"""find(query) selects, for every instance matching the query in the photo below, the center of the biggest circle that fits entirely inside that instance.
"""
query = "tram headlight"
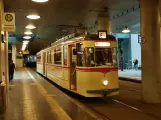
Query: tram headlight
(105, 82)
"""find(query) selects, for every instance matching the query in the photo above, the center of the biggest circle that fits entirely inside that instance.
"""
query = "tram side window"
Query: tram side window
(103, 56)
(52, 56)
(38, 58)
(57, 56)
(114, 56)
(48, 57)
(65, 55)
(79, 54)
(86, 58)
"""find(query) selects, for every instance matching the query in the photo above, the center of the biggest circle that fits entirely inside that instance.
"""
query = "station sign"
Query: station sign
(9, 21)
(102, 34)
(102, 44)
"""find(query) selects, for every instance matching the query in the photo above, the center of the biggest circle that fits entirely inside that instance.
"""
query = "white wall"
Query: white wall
(135, 48)
(14, 51)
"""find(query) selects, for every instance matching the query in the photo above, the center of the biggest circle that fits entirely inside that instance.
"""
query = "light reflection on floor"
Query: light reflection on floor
(130, 73)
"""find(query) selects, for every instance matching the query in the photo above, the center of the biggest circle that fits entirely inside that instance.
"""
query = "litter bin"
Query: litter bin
(3, 102)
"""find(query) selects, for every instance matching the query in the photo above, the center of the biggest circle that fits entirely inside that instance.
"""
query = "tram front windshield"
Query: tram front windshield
(91, 57)
(103, 56)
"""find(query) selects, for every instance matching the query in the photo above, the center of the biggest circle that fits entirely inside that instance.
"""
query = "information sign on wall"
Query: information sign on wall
(9, 21)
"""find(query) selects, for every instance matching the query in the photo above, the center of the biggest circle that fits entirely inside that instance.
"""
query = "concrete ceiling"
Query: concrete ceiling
(59, 17)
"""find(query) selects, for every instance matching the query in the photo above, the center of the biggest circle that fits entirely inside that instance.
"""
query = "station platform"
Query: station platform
(130, 75)
(32, 97)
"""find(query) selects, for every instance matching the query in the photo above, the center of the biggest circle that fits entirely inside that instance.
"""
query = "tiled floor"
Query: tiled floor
(32, 98)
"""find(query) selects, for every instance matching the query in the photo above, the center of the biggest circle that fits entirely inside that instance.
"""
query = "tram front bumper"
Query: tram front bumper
(103, 91)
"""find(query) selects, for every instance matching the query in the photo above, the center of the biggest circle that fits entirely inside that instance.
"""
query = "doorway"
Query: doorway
(44, 61)
(72, 55)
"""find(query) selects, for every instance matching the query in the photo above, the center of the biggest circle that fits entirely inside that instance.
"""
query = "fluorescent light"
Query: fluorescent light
(28, 33)
(33, 16)
(30, 27)
(27, 37)
(126, 30)
(24, 47)
(25, 42)
(40, 0)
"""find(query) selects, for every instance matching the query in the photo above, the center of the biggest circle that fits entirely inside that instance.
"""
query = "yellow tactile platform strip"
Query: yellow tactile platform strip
(55, 107)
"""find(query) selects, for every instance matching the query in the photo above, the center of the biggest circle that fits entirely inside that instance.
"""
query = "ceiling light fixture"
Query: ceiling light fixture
(30, 27)
(28, 33)
(25, 42)
(27, 37)
(33, 17)
(40, 0)
(126, 30)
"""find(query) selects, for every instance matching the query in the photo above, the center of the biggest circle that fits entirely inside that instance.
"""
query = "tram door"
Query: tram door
(44, 61)
(72, 55)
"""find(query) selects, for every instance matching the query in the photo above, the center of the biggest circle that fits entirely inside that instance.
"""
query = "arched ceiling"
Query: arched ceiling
(59, 17)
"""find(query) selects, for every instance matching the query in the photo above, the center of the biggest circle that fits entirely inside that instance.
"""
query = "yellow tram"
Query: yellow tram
(83, 64)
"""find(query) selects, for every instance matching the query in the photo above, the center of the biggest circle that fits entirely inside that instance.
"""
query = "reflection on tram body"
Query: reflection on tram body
(86, 66)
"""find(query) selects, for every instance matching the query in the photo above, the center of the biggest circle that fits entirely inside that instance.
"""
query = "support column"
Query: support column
(6, 60)
(104, 23)
(151, 51)
(14, 52)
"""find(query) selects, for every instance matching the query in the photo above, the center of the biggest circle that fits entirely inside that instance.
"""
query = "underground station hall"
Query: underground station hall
(80, 60)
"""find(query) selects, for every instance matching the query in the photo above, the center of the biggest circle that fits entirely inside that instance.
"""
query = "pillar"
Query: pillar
(151, 51)
(14, 52)
(104, 23)
(6, 60)
(3, 93)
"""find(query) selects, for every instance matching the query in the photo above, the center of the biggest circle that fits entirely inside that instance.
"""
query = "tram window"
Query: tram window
(114, 56)
(79, 54)
(47, 57)
(57, 58)
(65, 55)
(86, 58)
(74, 52)
(38, 58)
(52, 56)
(103, 56)
(79, 47)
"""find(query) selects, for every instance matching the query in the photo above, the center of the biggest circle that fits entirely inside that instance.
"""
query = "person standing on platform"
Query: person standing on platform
(135, 64)
(11, 69)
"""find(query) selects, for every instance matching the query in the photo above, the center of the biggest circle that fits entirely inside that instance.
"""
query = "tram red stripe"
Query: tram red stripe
(57, 66)
(103, 70)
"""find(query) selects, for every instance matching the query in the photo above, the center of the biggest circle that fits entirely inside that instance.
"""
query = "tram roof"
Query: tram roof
(77, 36)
